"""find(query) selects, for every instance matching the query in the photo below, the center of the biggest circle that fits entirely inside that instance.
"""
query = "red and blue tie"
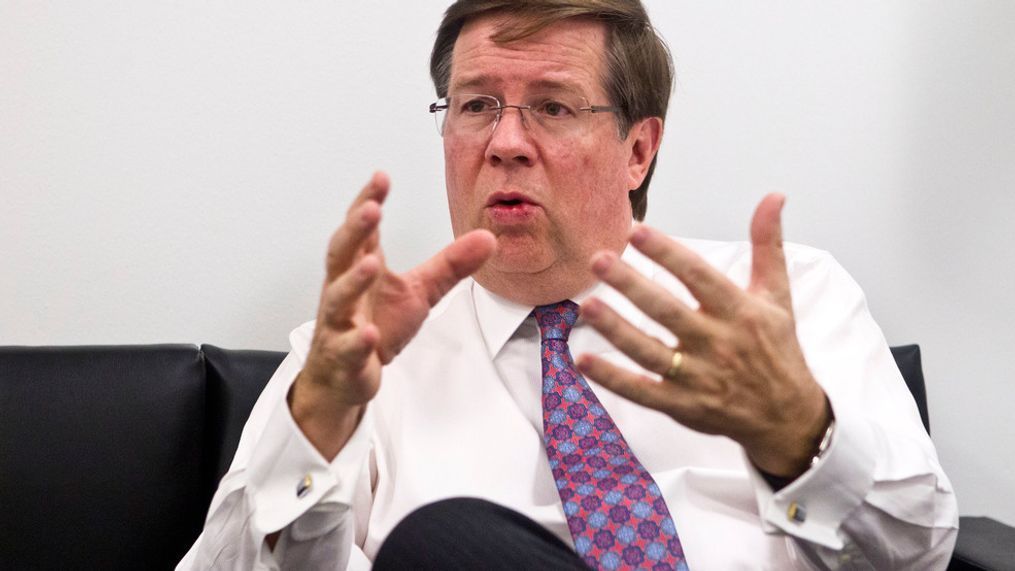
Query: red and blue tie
(615, 511)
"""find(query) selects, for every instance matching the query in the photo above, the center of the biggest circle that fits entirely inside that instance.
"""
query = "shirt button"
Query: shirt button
(303, 488)
(796, 512)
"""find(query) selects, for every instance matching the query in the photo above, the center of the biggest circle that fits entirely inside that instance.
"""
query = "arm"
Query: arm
(367, 314)
(878, 493)
(259, 493)
(302, 462)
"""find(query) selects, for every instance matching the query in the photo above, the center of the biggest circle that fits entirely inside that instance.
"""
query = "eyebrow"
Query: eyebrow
(485, 80)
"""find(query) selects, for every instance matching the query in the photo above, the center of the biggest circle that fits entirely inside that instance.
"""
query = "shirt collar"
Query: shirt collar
(499, 317)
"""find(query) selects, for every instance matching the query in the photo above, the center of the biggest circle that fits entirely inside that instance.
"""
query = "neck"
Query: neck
(536, 289)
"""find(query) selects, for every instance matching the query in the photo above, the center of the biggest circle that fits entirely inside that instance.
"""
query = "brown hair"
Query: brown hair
(639, 70)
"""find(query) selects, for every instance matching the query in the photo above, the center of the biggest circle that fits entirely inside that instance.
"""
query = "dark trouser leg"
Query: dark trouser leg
(469, 533)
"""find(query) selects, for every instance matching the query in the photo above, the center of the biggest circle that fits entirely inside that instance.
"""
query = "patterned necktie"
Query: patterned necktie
(615, 511)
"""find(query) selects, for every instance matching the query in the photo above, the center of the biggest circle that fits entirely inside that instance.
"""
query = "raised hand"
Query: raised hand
(742, 372)
(367, 314)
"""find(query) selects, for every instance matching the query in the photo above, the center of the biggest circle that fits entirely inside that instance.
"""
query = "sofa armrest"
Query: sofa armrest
(983, 543)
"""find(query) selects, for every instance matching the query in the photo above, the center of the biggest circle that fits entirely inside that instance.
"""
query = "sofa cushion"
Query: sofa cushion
(102, 456)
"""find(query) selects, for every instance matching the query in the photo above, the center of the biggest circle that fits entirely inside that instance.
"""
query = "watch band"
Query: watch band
(826, 441)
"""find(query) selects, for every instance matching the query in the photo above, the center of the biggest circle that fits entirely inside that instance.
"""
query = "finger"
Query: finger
(650, 297)
(714, 291)
(376, 190)
(336, 352)
(351, 349)
(768, 258)
(359, 231)
(635, 387)
(643, 349)
(459, 259)
(340, 298)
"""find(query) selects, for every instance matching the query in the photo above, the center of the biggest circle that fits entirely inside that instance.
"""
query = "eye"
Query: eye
(554, 109)
(477, 105)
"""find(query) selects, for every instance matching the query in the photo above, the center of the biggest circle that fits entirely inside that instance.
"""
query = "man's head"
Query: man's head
(638, 76)
(547, 144)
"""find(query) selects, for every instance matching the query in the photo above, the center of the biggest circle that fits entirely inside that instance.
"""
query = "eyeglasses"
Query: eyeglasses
(559, 115)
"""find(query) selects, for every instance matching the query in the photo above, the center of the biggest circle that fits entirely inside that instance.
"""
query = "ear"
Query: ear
(643, 140)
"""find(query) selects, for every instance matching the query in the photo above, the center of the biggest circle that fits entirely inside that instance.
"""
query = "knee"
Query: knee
(449, 517)
(470, 533)
(436, 535)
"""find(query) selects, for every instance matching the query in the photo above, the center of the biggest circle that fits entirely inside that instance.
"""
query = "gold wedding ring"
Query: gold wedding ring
(675, 362)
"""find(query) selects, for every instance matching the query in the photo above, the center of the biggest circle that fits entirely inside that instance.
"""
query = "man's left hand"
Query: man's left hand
(743, 373)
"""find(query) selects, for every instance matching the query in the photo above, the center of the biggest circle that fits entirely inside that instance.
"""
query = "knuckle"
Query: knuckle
(695, 273)
(724, 353)
(662, 363)
(333, 258)
(751, 317)
(605, 317)
(334, 296)
(346, 351)
(671, 314)
(625, 276)
(339, 238)
(640, 389)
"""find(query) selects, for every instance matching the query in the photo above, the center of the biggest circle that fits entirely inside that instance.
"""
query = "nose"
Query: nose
(511, 141)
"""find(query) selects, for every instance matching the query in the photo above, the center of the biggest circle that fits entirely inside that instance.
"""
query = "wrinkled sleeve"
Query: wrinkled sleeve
(878, 497)
(278, 482)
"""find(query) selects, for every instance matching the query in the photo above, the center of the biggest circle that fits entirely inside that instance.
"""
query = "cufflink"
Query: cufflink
(796, 512)
(303, 488)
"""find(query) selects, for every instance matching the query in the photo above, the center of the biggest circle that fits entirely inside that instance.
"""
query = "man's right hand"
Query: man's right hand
(367, 314)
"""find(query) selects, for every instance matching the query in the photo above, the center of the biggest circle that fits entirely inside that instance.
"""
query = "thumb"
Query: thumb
(456, 261)
(768, 260)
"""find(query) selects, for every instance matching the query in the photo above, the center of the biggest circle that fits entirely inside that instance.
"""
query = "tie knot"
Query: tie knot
(556, 319)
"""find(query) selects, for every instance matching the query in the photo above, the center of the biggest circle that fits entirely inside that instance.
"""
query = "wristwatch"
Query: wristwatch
(826, 441)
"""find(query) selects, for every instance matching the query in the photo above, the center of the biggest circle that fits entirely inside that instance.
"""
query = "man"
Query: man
(717, 406)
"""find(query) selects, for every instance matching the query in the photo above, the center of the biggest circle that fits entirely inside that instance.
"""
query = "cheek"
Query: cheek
(452, 158)
(604, 181)
(458, 207)
(603, 200)
(459, 181)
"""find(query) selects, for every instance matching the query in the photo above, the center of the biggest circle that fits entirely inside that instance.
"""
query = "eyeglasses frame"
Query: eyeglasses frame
(437, 106)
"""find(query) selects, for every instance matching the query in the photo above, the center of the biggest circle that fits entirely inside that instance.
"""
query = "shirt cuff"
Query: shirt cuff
(814, 505)
(287, 476)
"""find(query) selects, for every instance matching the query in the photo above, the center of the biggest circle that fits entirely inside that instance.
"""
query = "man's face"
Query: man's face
(551, 201)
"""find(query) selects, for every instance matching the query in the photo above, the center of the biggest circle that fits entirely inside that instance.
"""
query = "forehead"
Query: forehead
(569, 54)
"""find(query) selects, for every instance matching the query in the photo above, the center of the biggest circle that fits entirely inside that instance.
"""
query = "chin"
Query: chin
(521, 253)
(518, 263)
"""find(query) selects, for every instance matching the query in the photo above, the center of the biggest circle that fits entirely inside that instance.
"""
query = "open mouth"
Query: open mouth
(509, 200)
(511, 208)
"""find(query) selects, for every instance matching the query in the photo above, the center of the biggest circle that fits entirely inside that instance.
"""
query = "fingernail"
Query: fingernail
(582, 362)
(591, 309)
(367, 213)
(601, 262)
(367, 265)
(639, 234)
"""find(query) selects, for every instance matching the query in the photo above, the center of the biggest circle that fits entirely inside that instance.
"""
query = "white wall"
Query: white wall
(170, 172)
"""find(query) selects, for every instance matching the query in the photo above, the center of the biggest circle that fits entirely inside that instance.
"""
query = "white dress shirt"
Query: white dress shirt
(459, 414)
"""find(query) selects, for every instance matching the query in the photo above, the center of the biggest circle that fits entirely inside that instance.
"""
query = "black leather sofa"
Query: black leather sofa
(109, 455)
